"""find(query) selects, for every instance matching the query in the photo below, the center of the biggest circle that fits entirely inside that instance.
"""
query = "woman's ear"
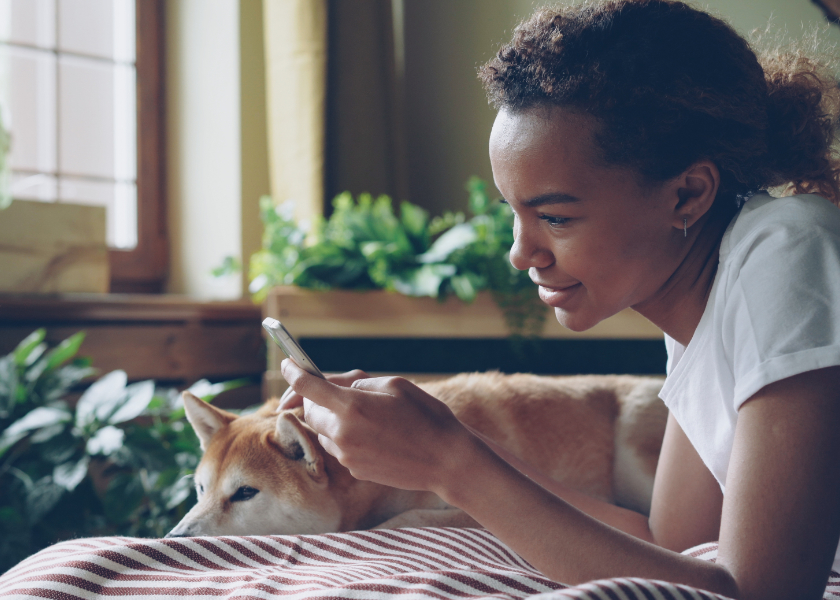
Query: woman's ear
(696, 191)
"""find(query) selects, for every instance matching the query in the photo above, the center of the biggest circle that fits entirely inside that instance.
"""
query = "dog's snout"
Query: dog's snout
(177, 534)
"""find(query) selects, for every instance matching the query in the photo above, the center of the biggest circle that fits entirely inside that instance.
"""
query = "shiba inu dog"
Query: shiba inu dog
(265, 473)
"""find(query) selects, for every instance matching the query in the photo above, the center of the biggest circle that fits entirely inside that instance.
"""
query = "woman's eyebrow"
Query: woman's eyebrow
(545, 199)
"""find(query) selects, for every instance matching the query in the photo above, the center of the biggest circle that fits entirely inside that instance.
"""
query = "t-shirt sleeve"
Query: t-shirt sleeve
(782, 315)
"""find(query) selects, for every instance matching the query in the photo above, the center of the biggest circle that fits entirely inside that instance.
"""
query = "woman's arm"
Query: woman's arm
(628, 521)
(687, 500)
(781, 516)
(389, 431)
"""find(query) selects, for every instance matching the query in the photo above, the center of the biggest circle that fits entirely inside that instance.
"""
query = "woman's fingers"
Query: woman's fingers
(291, 399)
(319, 418)
(321, 391)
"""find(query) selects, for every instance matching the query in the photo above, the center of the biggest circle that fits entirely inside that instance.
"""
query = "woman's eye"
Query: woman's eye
(244, 493)
(555, 221)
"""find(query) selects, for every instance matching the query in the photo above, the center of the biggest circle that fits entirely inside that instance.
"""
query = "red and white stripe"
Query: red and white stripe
(429, 563)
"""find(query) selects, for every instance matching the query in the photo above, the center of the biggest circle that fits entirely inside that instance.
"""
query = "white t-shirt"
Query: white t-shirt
(773, 312)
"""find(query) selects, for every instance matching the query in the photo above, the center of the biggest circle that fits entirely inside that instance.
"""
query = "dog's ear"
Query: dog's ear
(205, 418)
(295, 444)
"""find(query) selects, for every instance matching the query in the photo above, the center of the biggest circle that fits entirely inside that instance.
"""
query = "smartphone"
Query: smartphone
(290, 347)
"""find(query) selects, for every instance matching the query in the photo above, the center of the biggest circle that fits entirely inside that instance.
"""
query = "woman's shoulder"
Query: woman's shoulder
(766, 222)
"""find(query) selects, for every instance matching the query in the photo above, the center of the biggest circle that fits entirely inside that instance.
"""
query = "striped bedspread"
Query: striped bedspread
(429, 563)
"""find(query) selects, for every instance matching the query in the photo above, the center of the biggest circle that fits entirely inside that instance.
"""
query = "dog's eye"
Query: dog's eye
(244, 493)
(200, 489)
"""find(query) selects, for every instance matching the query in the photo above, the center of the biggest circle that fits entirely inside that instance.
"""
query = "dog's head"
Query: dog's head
(261, 473)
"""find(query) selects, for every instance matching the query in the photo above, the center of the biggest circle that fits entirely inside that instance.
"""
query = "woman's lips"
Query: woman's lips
(556, 297)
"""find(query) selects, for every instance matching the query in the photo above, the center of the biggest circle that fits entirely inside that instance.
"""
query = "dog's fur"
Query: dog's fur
(265, 473)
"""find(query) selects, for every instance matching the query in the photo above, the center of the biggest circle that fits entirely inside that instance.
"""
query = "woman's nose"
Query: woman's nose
(527, 251)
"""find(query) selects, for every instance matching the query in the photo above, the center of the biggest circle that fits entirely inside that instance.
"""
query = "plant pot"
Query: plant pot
(382, 315)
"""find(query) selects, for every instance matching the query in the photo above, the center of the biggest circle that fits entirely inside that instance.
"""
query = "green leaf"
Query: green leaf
(231, 265)
(37, 352)
(463, 288)
(8, 385)
(124, 496)
(414, 219)
(137, 398)
(479, 199)
(99, 399)
(37, 370)
(106, 441)
(62, 448)
(65, 350)
(178, 492)
(70, 474)
(456, 238)
(42, 497)
(45, 434)
(63, 378)
(424, 281)
(7, 440)
(29, 343)
(207, 391)
(43, 416)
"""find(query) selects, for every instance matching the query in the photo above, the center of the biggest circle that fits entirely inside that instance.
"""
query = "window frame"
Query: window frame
(144, 269)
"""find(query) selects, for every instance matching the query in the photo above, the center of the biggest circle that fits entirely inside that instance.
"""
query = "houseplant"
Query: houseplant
(365, 245)
(116, 461)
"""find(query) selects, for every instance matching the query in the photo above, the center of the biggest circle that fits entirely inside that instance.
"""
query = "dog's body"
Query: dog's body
(265, 473)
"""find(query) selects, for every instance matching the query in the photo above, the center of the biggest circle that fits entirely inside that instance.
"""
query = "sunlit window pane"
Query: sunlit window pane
(86, 117)
(123, 233)
(29, 107)
(120, 200)
(101, 28)
(125, 122)
(38, 186)
(28, 22)
(68, 95)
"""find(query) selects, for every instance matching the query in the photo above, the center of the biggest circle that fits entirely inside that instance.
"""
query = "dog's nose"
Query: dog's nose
(174, 534)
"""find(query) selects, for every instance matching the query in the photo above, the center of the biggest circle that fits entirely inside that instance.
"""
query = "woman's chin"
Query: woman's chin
(575, 321)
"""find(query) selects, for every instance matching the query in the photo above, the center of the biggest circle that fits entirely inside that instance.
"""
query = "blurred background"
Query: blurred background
(142, 134)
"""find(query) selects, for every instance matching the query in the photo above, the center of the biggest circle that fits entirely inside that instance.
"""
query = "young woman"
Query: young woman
(634, 142)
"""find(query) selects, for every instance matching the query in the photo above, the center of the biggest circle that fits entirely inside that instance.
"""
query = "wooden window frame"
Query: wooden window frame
(831, 8)
(144, 269)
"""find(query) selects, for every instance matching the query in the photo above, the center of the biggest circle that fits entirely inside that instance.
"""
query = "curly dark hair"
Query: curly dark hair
(671, 85)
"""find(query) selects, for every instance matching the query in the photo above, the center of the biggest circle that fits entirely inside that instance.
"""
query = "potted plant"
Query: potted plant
(366, 246)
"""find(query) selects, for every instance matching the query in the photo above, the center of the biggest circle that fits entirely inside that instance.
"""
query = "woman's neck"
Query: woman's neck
(679, 304)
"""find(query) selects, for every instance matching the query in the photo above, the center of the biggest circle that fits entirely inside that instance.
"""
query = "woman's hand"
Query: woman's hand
(383, 429)
(291, 399)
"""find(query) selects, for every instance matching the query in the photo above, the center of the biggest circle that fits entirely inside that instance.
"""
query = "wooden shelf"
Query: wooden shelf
(167, 338)
(380, 314)
(383, 331)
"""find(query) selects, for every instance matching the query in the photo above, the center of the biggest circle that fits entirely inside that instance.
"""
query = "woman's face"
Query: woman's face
(591, 237)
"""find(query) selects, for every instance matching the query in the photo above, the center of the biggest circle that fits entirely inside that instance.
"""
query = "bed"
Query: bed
(428, 563)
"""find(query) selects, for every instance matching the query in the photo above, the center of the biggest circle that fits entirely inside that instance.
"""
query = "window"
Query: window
(83, 87)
